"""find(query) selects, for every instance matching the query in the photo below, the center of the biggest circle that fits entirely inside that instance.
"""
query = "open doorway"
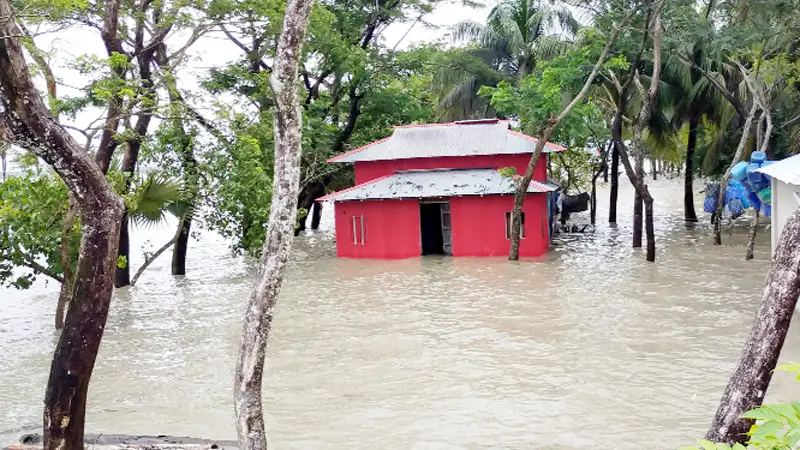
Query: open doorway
(435, 228)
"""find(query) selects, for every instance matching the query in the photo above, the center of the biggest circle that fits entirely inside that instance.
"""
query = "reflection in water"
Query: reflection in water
(587, 347)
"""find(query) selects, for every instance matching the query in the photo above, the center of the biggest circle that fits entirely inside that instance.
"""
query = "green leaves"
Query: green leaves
(32, 208)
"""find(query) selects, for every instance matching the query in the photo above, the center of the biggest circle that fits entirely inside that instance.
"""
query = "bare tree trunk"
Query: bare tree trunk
(280, 232)
(521, 190)
(614, 193)
(689, 213)
(748, 385)
(66, 263)
(26, 122)
(748, 125)
(643, 198)
(751, 236)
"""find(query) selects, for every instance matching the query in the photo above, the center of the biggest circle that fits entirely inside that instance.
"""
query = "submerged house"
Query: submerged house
(436, 189)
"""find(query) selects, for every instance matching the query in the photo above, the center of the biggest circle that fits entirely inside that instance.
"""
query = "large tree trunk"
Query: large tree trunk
(748, 385)
(689, 213)
(614, 192)
(280, 232)
(26, 122)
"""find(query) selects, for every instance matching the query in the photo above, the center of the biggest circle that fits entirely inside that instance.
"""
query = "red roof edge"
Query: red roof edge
(326, 197)
(337, 157)
(556, 147)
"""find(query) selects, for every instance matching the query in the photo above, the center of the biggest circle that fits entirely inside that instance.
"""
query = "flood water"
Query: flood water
(589, 347)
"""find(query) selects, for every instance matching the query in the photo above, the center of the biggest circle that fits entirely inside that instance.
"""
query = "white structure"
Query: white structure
(785, 176)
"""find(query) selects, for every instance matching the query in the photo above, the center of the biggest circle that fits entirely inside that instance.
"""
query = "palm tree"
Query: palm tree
(517, 34)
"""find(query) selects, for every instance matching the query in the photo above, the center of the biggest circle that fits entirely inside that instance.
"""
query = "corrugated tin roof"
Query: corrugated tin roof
(466, 138)
(786, 170)
(435, 183)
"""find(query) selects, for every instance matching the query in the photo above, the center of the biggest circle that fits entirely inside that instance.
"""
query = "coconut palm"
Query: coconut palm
(517, 34)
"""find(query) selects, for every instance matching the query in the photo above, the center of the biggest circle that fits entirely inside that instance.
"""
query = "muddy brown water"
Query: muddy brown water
(588, 347)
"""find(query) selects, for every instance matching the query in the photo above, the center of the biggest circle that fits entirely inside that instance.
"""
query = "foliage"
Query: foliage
(32, 207)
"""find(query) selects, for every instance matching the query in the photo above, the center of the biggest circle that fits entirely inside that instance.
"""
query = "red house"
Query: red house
(436, 189)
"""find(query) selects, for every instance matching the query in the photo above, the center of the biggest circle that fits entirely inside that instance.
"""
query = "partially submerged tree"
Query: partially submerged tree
(26, 122)
(748, 385)
(280, 232)
(542, 110)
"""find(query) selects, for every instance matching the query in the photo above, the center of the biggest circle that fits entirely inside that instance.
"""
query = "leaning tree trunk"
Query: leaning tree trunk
(748, 385)
(521, 190)
(751, 236)
(280, 232)
(26, 122)
(614, 192)
(689, 213)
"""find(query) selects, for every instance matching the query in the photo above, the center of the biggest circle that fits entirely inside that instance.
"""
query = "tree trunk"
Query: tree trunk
(66, 286)
(26, 122)
(638, 217)
(614, 193)
(751, 236)
(638, 204)
(181, 246)
(654, 168)
(650, 230)
(280, 232)
(748, 125)
(316, 215)
(605, 167)
(522, 186)
(122, 275)
(689, 213)
(748, 385)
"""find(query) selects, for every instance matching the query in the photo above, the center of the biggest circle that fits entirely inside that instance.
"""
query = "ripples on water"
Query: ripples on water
(588, 347)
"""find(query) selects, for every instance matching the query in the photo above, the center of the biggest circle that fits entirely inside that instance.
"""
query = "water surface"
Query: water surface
(587, 347)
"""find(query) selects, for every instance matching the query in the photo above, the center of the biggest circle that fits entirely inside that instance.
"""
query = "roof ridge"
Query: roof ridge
(354, 151)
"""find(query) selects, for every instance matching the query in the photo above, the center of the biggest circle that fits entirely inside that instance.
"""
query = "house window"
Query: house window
(521, 228)
(359, 230)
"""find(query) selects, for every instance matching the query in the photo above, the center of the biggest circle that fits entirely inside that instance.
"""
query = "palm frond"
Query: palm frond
(152, 199)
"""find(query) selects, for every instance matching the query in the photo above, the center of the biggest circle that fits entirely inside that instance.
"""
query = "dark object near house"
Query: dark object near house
(575, 203)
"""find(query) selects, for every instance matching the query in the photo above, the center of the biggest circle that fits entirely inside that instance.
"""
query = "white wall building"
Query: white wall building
(785, 192)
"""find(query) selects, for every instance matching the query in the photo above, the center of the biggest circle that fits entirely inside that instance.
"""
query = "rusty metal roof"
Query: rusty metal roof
(435, 183)
(465, 138)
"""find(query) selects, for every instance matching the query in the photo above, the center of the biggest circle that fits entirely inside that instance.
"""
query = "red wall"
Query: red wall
(369, 170)
(393, 227)
(479, 225)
